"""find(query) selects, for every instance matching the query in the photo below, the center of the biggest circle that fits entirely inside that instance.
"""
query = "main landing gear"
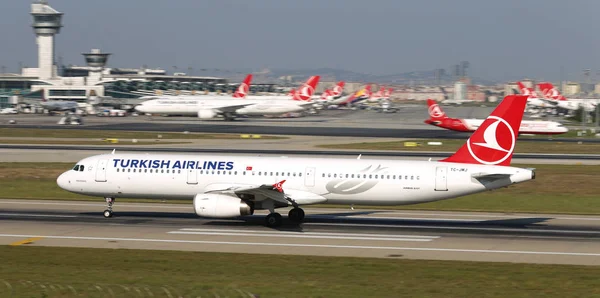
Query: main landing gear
(108, 212)
(274, 219)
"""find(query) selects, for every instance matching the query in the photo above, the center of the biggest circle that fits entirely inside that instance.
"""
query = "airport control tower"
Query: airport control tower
(96, 60)
(46, 23)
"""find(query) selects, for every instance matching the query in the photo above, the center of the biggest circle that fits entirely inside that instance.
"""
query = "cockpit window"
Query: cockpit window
(76, 168)
(81, 168)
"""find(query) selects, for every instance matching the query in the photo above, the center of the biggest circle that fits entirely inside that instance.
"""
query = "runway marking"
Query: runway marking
(402, 218)
(454, 228)
(26, 241)
(128, 205)
(36, 215)
(310, 233)
(528, 252)
(374, 237)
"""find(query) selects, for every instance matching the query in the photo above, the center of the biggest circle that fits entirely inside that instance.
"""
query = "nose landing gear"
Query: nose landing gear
(109, 212)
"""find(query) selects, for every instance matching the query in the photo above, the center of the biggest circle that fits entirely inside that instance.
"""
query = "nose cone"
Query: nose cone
(140, 108)
(63, 181)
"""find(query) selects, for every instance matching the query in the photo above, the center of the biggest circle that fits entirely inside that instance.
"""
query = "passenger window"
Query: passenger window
(412, 177)
(128, 170)
(145, 170)
(375, 176)
(117, 169)
(334, 175)
(271, 174)
(346, 175)
(235, 173)
(352, 175)
(300, 175)
(370, 176)
(323, 175)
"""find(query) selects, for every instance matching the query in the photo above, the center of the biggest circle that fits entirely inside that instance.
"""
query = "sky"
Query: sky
(502, 40)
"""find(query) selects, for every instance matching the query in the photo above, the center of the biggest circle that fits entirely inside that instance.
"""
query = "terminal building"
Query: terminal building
(95, 79)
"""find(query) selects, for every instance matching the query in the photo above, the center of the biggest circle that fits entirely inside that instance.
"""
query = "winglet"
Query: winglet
(279, 186)
(113, 152)
(493, 143)
(359, 156)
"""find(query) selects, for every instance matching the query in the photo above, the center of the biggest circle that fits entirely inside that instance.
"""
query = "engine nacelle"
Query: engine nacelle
(207, 114)
(220, 206)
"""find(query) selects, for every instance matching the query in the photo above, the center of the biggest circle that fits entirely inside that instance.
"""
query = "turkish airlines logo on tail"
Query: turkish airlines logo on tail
(498, 142)
(306, 92)
(435, 111)
(337, 90)
(242, 90)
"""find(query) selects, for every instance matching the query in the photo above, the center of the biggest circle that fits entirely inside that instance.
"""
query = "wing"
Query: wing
(275, 192)
(230, 108)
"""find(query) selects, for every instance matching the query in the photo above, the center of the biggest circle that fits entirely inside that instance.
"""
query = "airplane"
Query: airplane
(437, 117)
(534, 99)
(231, 186)
(229, 109)
(54, 106)
(355, 98)
(375, 97)
(554, 96)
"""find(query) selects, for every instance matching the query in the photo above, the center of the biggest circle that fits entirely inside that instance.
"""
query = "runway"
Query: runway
(523, 238)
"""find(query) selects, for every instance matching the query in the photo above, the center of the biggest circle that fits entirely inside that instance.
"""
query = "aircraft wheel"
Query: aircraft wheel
(296, 215)
(273, 220)
(108, 213)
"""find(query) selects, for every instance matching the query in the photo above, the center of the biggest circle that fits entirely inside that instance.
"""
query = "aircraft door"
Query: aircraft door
(101, 170)
(309, 177)
(441, 178)
(192, 176)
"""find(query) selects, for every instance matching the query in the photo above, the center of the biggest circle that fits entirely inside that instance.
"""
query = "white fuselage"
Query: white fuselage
(527, 126)
(183, 106)
(308, 180)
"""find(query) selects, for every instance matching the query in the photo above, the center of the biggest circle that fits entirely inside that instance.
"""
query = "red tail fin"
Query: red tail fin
(550, 92)
(326, 94)
(308, 89)
(435, 111)
(493, 143)
(337, 90)
(388, 92)
(244, 87)
(380, 92)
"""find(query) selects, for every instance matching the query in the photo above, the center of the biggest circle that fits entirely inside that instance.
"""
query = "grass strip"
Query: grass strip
(62, 271)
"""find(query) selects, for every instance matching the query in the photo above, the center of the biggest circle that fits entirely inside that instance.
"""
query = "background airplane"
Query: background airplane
(437, 117)
(229, 109)
(554, 97)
